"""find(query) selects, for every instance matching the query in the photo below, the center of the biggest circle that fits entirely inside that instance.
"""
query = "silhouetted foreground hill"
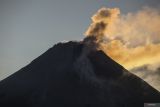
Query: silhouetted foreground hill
(67, 76)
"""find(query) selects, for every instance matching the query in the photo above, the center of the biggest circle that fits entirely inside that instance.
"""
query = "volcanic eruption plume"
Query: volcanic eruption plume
(132, 40)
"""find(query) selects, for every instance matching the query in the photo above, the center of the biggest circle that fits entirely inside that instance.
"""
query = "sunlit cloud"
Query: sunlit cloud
(132, 39)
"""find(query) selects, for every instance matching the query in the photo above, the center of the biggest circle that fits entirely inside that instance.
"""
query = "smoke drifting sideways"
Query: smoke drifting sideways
(132, 39)
(150, 73)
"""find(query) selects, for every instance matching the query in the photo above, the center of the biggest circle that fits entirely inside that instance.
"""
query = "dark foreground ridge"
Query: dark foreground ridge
(67, 76)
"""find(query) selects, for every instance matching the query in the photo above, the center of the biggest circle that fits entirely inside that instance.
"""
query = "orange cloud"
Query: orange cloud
(132, 39)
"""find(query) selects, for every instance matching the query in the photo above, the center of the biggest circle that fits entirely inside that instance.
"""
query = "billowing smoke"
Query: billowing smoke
(132, 39)
(100, 22)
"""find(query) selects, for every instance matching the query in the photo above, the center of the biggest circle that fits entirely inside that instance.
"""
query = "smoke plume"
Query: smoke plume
(131, 39)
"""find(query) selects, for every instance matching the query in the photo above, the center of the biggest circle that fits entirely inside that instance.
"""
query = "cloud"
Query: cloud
(150, 73)
(131, 39)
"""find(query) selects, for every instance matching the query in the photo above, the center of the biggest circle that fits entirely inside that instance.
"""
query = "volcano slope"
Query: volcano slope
(68, 75)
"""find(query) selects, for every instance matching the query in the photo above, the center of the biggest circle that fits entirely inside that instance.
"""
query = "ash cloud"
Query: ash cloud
(131, 39)
(100, 22)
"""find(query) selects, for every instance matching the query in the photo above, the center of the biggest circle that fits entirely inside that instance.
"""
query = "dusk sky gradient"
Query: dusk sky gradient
(30, 27)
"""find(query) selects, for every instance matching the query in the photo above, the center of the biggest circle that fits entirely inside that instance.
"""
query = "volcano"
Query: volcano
(72, 75)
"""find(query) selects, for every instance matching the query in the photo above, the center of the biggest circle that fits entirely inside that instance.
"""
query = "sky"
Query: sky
(30, 27)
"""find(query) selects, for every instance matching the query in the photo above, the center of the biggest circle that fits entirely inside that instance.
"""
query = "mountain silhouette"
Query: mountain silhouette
(70, 75)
